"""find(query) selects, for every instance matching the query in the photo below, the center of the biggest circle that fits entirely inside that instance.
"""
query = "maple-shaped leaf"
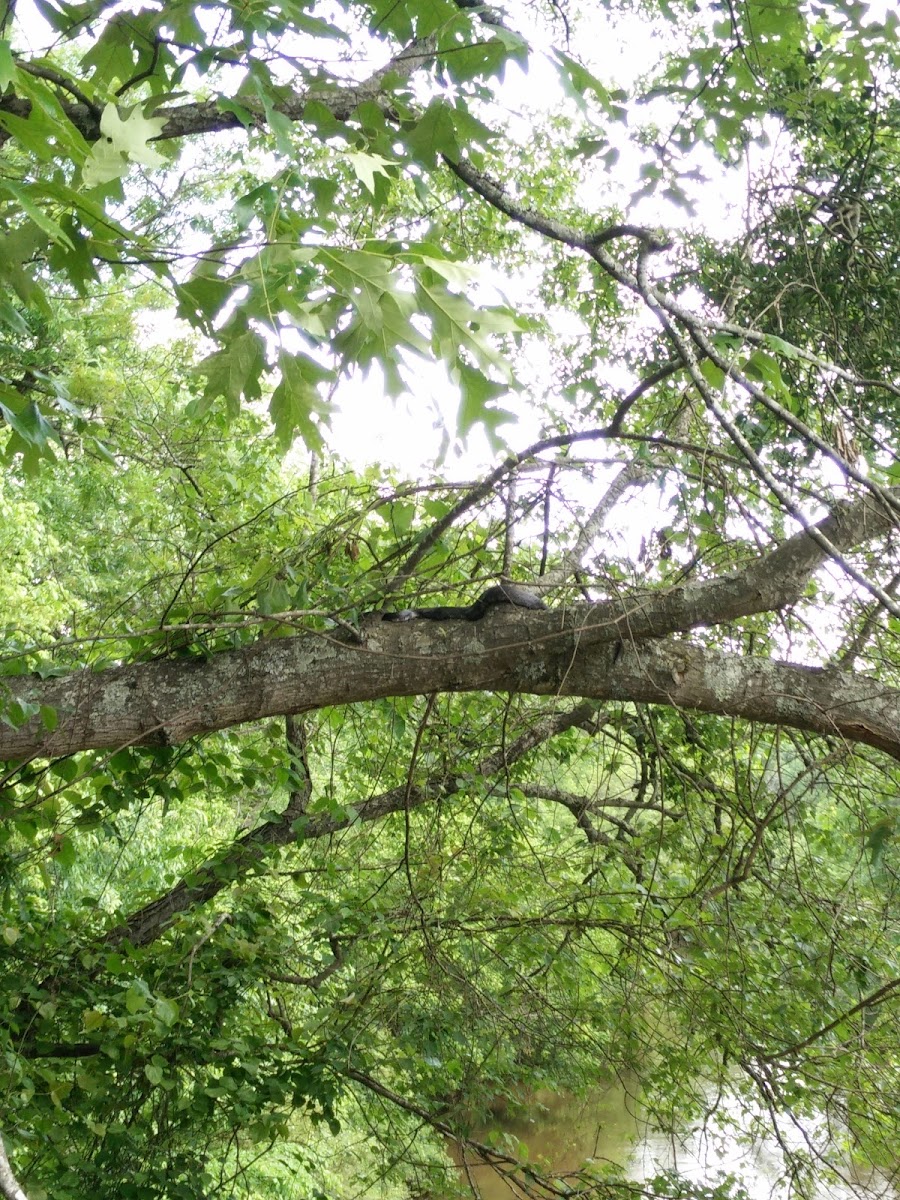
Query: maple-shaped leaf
(296, 400)
(122, 141)
(367, 166)
(234, 371)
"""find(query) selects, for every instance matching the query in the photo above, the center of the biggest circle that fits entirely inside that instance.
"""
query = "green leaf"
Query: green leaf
(318, 117)
(58, 16)
(166, 1011)
(577, 80)
(18, 250)
(787, 349)
(64, 851)
(74, 257)
(25, 418)
(46, 131)
(12, 318)
(399, 516)
(384, 311)
(877, 838)
(477, 394)
(233, 372)
(434, 134)
(479, 60)
(457, 323)
(713, 374)
(367, 166)
(243, 114)
(202, 297)
(7, 65)
(282, 127)
(296, 400)
(112, 56)
(21, 193)
(137, 997)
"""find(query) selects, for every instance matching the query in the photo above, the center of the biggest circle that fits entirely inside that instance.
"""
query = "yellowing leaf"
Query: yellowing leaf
(132, 134)
(123, 141)
(367, 166)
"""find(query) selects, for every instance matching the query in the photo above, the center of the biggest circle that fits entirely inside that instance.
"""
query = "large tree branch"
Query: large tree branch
(208, 116)
(538, 654)
(167, 702)
(855, 708)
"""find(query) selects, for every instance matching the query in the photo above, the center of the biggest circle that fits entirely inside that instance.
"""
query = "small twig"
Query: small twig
(60, 80)
(217, 923)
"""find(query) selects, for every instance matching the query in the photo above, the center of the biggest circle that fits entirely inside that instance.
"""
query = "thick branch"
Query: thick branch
(9, 1185)
(513, 650)
(519, 654)
(854, 708)
(206, 116)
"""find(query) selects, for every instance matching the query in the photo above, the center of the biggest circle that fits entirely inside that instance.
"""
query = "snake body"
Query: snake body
(500, 593)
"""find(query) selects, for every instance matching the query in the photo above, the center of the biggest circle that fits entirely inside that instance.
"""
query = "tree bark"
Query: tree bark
(166, 702)
(595, 652)
(9, 1185)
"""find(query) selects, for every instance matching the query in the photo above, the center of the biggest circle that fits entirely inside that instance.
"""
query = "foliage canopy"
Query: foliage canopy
(272, 869)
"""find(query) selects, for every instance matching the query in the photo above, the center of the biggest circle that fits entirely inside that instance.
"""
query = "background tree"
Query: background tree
(271, 865)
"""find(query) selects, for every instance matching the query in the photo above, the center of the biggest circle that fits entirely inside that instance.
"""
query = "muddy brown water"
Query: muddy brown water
(563, 1132)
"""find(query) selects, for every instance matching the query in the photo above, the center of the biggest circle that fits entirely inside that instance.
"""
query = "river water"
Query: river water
(566, 1131)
